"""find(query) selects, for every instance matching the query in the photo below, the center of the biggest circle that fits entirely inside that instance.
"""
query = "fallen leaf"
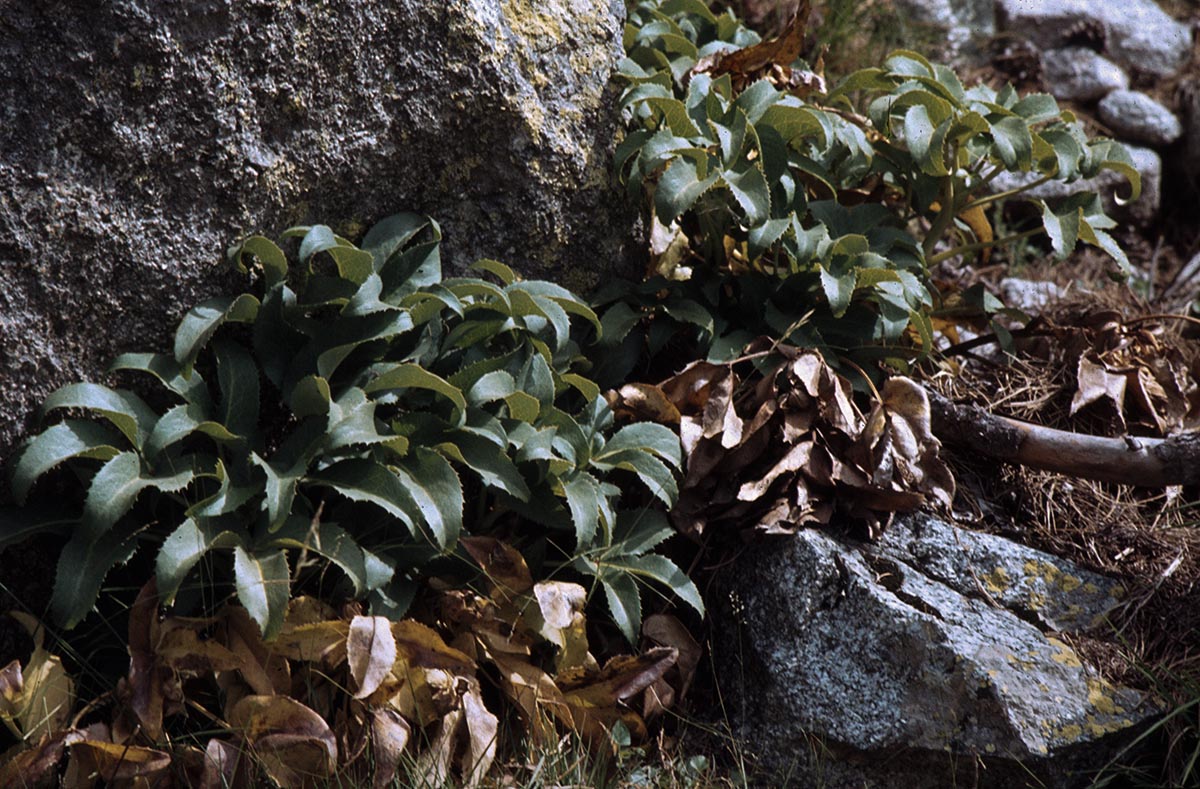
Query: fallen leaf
(371, 652)
(294, 744)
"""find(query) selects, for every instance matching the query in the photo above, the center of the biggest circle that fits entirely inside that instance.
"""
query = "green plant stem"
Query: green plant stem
(943, 220)
(992, 198)
(949, 253)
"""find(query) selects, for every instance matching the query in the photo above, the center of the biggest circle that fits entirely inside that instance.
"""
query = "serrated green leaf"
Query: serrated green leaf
(366, 480)
(270, 256)
(125, 410)
(679, 188)
(177, 424)
(164, 367)
(582, 492)
(1012, 143)
(310, 397)
(334, 543)
(487, 460)
(749, 188)
(389, 235)
(280, 489)
(584, 386)
(645, 436)
(624, 603)
(1063, 229)
(413, 376)
(72, 438)
(674, 114)
(433, 485)
(1036, 108)
(1099, 238)
(838, 290)
(82, 567)
(237, 379)
(653, 473)
(115, 487)
(497, 269)
(918, 136)
(203, 320)
(263, 586)
(353, 264)
(185, 547)
(661, 570)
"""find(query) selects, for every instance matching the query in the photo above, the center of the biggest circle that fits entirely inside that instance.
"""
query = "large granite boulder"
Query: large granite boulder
(138, 138)
(933, 658)
(1140, 34)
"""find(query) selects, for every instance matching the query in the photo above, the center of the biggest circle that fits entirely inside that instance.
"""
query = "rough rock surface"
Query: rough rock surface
(1133, 115)
(1140, 34)
(138, 138)
(1081, 74)
(978, 16)
(1108, 183)
(908, 660)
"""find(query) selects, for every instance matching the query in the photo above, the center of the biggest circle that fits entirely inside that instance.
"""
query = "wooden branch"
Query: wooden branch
(1148, 462)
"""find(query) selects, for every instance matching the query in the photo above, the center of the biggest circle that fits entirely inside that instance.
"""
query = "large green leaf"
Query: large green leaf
(334, 543)
(624, 603)
(582, 492)
(168, 371)
(648, 436)
(413, 376)
(237, 377)
(116, 486)
(391, 234)
(263, 587)
(353, 263)
(437, 491)
(653, 473)
(679, 188)
(82, 567)
(185, 547)
(273, 261)
(125, 410)
(359, 479)
(177, 424)
(280, 488)
(488, 461)
(203, 320)
(72, 438)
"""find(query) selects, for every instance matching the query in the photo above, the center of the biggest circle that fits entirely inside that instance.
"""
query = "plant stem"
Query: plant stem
(1006, 194)
(949, 253)
(943, 220)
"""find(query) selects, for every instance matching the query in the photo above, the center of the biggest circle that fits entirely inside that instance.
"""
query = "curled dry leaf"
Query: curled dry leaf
(390, 734)
(504, 566)
(664, 630)
(294, 745)
(371, 652)
(116, 764)
(38, 698)
(558, 618)
(38, 766)
(793, 447)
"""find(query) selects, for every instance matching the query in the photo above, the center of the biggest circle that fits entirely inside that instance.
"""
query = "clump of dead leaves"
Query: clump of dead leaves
(783, 447)
(353, 696)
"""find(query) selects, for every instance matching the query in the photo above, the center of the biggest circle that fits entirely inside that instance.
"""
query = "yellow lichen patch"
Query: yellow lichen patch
(997, 581)
(1037, 601)
(1100, 697)
(1064, 654)
(1091, 588)
(1069, 583)
(1072, 731)
(529, 20)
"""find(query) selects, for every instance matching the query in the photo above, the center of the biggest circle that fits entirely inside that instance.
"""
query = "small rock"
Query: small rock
(1136, 116)
(1108, 184)
(979, 16)
(1140, 34)
(1029, 296)
(918, 660)
(1081, 74)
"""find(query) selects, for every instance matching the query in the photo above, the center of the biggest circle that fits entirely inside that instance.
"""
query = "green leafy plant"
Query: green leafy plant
(364, 410)
(815, 215)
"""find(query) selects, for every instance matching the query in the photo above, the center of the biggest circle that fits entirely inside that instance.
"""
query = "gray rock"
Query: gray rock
(1028, 295)
(1080, 74)
(1109, 184)
(1140, 34)
(138, 138)
(1135, 116)
(907, 661)
(978, 16)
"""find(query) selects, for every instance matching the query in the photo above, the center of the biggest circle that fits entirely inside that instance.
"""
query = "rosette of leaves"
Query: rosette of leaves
(815, 216)
(348, 412)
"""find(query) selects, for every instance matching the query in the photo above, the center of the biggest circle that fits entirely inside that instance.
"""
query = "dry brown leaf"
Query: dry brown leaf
(46, 696)
(482, 727)
(390, 734)
(294, 744)
(111, 762)
(38, 766)
(504, 566)
(1097, 383)
(642, 403)
(371, 652)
